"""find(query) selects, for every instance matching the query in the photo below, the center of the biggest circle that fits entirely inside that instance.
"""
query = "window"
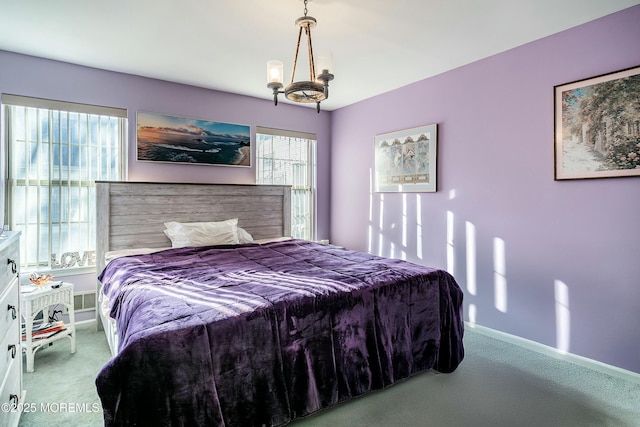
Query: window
(289, 158)
(56, 152)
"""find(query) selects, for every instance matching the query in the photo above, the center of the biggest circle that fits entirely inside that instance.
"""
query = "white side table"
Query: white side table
(33, 302)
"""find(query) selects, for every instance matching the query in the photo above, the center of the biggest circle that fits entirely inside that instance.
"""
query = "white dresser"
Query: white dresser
(11, 392)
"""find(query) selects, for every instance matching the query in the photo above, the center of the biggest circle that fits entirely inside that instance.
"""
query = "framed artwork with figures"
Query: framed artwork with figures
(406, 160)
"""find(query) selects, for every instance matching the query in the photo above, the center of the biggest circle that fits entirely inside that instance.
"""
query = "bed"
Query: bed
(254, 333)
(132, 216)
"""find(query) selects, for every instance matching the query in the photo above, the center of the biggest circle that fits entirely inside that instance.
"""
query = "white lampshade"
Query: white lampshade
(275, 72)
(325, 63)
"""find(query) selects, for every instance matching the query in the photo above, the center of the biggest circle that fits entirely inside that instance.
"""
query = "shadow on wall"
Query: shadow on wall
(383, 237)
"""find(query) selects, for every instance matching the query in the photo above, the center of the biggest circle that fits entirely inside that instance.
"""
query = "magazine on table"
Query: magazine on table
(44, 330)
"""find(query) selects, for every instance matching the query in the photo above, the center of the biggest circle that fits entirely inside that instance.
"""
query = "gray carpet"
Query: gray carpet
(498, 384)
(61, 388)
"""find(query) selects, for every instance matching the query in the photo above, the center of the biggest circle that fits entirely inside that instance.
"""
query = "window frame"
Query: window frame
(49, 182)
(311, 171)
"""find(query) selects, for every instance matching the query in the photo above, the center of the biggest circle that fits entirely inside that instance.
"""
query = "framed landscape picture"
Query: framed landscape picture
(171, 139)
(405, 160)
(597, 126)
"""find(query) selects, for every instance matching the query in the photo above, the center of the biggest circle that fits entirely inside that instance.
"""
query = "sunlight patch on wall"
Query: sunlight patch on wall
(450, 244)
(370, 236)
(381, 211)
(380, 224)
(563, 316)
(404, 220)
(499, 275)
(472, 314)
(471, 257)
(370, 197)
(419, 226)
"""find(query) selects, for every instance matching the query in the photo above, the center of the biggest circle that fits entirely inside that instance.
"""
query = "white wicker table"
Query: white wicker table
(33, 302)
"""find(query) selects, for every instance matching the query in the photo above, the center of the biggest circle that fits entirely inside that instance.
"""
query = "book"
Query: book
(44, 330)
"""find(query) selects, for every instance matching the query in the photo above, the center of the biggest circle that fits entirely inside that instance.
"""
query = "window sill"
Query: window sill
(57, 273)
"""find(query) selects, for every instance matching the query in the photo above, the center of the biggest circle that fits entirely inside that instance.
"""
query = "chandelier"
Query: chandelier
(316, 89)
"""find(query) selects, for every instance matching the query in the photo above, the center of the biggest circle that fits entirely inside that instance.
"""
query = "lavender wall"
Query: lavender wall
(37, 77)
(496, 181)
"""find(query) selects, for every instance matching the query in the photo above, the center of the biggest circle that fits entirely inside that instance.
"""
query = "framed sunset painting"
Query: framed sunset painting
(171, 139)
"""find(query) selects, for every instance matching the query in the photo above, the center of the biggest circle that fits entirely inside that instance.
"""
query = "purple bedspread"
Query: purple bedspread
(253, 335)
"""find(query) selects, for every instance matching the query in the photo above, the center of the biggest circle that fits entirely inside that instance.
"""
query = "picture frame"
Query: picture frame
(597, 126)
(406, 160)
(173, 139)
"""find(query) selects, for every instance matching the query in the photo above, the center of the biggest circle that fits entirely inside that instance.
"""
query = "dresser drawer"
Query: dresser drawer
(10, 347)
(11, 394)
(9, 308)
(9, 260)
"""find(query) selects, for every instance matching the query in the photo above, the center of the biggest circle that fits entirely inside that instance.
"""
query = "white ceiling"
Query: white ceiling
(377, 45)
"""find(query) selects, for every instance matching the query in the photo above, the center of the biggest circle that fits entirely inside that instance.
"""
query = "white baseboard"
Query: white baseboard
(585, 362)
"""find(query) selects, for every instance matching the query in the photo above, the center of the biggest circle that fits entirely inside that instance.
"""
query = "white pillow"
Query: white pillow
(244, 236)
(202, 233)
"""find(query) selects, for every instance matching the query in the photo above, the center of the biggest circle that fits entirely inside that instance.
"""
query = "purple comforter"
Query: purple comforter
(252, 335)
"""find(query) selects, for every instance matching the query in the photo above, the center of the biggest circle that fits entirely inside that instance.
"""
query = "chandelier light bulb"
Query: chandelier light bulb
(275, 73)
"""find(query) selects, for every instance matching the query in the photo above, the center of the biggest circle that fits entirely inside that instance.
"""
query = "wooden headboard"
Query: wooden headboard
(132, 214)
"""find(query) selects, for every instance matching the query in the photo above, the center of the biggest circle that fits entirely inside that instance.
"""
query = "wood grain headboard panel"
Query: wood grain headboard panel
(132, 214)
